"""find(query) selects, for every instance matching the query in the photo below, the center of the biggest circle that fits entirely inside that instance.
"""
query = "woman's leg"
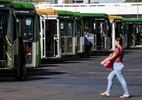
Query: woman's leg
(121, 79)
(111, 76)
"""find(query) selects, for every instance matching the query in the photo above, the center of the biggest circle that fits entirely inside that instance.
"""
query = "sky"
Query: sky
(108, 1)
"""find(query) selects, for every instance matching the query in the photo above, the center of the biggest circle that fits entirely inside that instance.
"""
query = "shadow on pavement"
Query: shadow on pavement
(32, 74)
(65, 60)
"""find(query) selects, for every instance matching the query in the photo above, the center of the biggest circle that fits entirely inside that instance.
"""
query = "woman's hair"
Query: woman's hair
(119, 39)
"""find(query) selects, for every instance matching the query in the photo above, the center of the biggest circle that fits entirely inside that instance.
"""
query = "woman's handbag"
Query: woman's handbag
(108, 64)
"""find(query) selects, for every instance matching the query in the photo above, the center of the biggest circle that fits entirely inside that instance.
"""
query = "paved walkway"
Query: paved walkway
(75, 79)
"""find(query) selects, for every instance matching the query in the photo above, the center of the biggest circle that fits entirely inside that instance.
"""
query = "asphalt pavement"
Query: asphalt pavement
(74, 78)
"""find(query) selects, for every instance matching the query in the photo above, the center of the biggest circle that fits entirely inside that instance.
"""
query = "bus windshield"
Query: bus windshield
(101, 26)
(78, 28)
(118, 28)
(69, 28)
(87, 24)
(28, 33)
(4, 16)
(6, 35)
(5, 24)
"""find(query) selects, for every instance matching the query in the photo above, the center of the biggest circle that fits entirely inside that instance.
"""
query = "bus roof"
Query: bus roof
(132, 20)
(76, 13)
(64, 12)
(94, 15)
(6, 5)
(6, 1)
(23, 5)
(46, 11)
(115, 17)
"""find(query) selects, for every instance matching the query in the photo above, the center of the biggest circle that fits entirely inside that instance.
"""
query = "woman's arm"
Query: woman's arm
(111, 57)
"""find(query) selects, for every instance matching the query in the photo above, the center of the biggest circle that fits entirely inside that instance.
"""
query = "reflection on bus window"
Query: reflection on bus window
(17, 20)
(86, 22)
(78, 29)
(139, 29)
(132, 28)
(1, 27)
(78, 34)
(52, 26)
(118, 28)
(18, 25)
(69, 29)
(62, 30)
(5, 23)
(101, 27)
(62, 26)
(28, 35)
(94, 26)
(104, 27)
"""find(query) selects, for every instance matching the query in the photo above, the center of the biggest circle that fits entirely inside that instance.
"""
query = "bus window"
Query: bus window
(78, 28)
(1, 27)
(62, 28)
(18, 20)
(139, 29)
(104, 28)
(69, 28)
(94, 26)
(53, 26)
(28, 35)
(118, 29)
(86, 22)
(78, 34)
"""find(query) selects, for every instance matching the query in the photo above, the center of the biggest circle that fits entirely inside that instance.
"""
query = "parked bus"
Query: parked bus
(67, 34)
(28, 29)
(132, 30)
(9, 40)
(99, 25)
(79, 31)
(117, 29)
(50, 37)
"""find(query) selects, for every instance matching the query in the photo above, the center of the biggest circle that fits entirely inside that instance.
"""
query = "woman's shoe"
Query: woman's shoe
(125, 96)
(105, 94)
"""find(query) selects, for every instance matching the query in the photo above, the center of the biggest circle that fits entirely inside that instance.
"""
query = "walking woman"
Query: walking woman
(117, 57)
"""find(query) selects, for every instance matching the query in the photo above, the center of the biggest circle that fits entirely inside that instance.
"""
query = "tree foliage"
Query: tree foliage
(67, 1)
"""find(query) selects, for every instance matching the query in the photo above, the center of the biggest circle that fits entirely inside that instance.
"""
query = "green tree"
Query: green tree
(67, 1)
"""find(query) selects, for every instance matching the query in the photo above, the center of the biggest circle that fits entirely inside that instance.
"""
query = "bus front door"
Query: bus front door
(51, 39)
(66, 32)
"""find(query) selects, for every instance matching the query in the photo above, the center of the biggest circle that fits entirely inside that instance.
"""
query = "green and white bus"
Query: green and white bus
(50, 37)
(60, 31)
(133, 31)
(67, 33)
(9, 39)
(29, 29)
(117, 30)
(79, 31)
(99, 25)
